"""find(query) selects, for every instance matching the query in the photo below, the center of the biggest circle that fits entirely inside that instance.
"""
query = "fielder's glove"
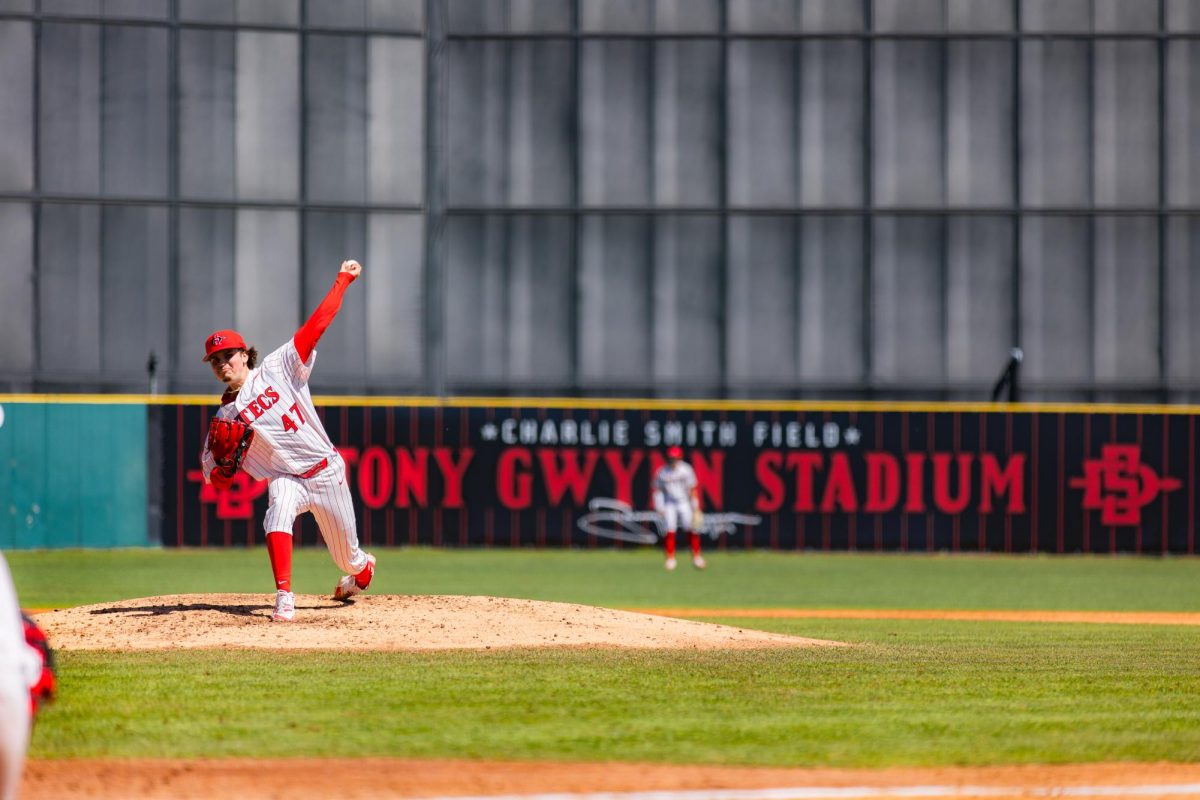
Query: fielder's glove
(697, 519)
(43, 683)
(228, 441)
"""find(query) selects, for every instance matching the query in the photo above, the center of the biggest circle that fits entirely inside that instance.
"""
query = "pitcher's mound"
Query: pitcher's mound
(382, 622)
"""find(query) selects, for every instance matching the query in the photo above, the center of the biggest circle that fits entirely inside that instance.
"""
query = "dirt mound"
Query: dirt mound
(382, 622)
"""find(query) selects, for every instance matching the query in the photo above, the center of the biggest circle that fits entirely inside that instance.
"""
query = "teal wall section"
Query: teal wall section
(72, 475)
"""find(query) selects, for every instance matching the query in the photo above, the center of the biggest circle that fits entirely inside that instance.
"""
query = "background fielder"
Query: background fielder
(677, 498)
(285, 443)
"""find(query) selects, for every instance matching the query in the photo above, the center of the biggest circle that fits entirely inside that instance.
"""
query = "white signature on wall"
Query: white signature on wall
(613, 519)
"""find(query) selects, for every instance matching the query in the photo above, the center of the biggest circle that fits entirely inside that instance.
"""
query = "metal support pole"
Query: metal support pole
(435, 199)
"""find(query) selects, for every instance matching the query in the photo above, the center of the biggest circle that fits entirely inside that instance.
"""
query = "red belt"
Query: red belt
(322, 464)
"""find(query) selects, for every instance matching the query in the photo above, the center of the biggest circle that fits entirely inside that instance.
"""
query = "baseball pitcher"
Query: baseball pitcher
(267, 426)
(677, 498)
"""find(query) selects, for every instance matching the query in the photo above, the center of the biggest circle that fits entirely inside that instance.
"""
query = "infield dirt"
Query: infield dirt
(255, 779)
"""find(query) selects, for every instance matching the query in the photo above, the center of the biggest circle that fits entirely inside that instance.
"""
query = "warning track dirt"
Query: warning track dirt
(1085, 617)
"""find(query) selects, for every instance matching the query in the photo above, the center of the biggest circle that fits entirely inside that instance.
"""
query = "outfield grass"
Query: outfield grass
(635, 578)
(908, 692)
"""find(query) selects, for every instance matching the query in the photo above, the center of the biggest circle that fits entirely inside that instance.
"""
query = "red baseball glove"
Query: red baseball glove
(228, 440)
(42, 691)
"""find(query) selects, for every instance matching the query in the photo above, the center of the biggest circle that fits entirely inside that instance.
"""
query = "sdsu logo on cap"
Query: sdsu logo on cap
(223, 340)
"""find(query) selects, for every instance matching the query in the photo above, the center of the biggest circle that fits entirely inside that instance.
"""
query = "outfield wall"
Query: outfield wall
(72, 475)
(486, 472)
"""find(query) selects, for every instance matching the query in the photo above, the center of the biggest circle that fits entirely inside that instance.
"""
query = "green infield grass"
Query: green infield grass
(906, 692)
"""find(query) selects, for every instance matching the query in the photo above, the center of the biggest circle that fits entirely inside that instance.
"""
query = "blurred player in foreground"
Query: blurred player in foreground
(677, 498)
(26, 681)
(267, 426)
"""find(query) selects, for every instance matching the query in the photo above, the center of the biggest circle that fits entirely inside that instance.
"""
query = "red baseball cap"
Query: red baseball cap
(223, 340)
(675, 452)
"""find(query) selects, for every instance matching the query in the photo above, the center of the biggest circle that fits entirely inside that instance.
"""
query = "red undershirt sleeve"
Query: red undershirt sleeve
(306, 338)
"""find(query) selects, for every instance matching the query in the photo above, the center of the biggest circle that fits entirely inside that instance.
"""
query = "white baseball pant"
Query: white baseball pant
(327, 496)
(678, 516)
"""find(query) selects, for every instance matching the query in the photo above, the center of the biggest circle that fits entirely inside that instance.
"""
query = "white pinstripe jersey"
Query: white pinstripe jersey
(676, 483)
(288, 436)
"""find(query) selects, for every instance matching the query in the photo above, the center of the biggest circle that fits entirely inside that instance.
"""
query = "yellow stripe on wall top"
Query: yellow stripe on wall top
(625, 404)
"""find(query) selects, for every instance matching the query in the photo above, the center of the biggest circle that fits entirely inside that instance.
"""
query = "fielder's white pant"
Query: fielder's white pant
(14, 729)
(15, 659)
(327, 496)
(678, 516)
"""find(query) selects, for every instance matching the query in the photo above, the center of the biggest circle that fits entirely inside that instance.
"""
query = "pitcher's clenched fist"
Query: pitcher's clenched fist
(352, 267)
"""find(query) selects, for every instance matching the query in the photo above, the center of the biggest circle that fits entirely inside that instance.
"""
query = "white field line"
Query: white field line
(850, 792)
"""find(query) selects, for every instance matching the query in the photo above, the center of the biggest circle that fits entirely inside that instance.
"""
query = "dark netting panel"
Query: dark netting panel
(746, 198)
